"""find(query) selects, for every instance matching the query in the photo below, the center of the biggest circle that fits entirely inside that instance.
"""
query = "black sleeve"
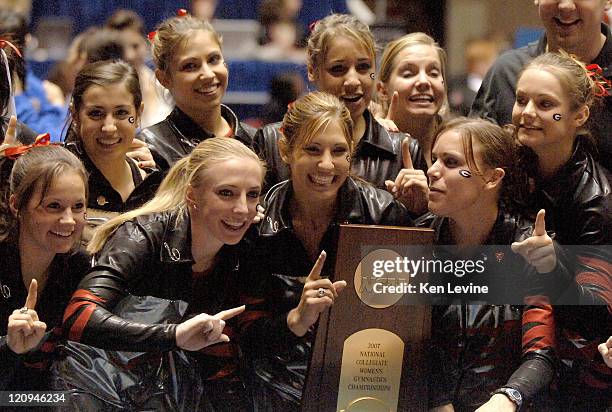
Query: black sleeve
(9, 362)
(538, 347)
(495, 98)
(396, 214)
(89, 318)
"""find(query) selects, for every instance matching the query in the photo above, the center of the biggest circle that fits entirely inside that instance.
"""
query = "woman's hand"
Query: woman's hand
(260, 214)
(498, 403)
(10, 137)
(204, 330)
(410, 186)
(538, 250)
(318, 295)
(387, 120)
(139, 151)
(25, 331)
(606, 351)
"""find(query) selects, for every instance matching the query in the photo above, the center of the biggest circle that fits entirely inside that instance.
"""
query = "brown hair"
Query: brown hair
(498, 149)
(124, 19)
(335, 25)
(38, 168)
(172, 34)
(102, 73)
(310, 114)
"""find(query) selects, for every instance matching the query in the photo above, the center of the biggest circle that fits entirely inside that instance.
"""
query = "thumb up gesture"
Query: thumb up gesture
(606, 351)
(538, 250)
(410, 186)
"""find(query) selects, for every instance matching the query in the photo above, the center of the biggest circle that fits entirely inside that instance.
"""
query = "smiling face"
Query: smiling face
(542, 112)
(53, 223)
(197, 76)
(417, 77)
(320, 166)
(107, 121)
(454, 187)
(570, 24)
(226, 201)
(346, 72)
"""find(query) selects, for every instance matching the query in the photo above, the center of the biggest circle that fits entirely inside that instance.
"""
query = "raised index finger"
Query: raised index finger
(230, 313)
(540, 225)
(315, 273)
(391, 115)
(30, 302)
(406, 159)
(10, 137)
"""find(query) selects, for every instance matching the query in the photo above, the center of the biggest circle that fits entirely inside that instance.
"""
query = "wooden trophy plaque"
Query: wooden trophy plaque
(369, 352)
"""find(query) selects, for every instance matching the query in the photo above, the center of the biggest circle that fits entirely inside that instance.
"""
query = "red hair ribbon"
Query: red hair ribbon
(15, 151)
(596, 73)
(290, 105)
(182, 12)
(312, 25)
(4, 43)
(151, 35)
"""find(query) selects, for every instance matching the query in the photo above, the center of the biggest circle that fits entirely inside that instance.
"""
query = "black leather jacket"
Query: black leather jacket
(377, 157)
(577, 203)
(280, 263)
(476, 347)
(28, 372)
(101, 194)
(151, 256)
(177, 135)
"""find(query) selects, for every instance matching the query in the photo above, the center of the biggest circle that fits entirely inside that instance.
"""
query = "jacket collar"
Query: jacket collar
(501, 234)
(278, 217)
(176, 244)
(376, 135)
(192, 131)
(176, 240)
(567, 178)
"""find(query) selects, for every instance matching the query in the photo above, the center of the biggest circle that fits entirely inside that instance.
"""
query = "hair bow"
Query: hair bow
(312, 25)
(595, 72)
(151, 35)
(14, 152)
(182, 12)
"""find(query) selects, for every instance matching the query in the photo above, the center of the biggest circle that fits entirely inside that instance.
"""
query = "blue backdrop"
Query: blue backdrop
(85, 13)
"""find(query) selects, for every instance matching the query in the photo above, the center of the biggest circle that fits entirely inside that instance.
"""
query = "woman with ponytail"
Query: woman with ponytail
(181, 246)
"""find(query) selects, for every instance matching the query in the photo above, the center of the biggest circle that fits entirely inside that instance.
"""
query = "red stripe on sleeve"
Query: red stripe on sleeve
(541, 335)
